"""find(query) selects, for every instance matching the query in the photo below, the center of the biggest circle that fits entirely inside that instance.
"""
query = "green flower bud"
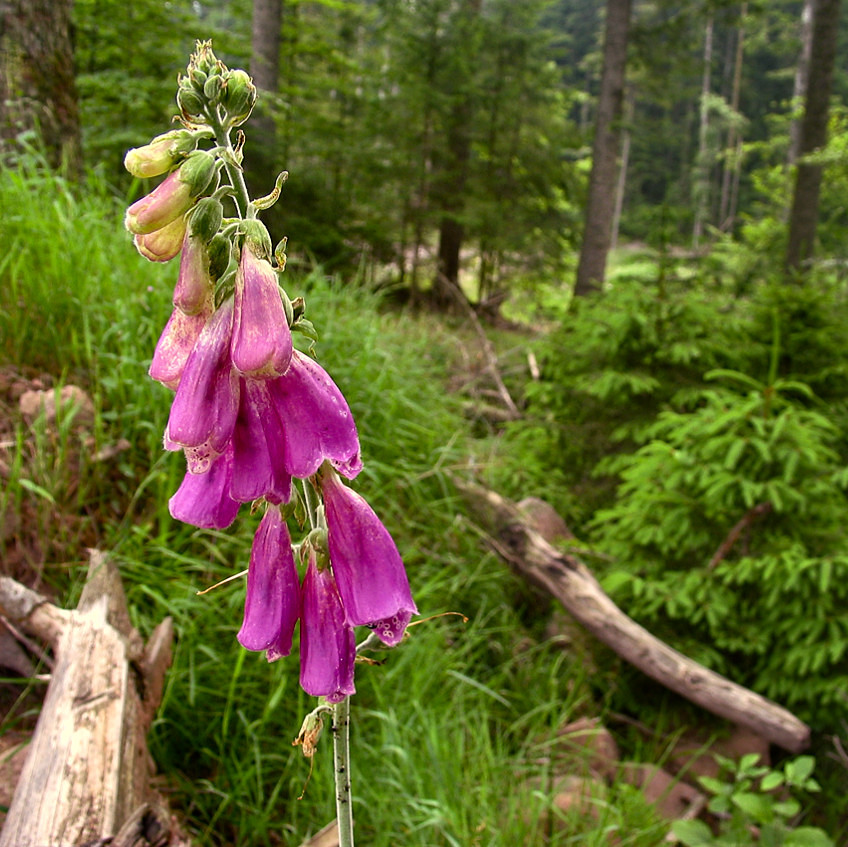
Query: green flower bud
(161, 154)
(287, 307)
(219, 255)
(197, 171)
(212, 89)
(190, 103)
(256, 235)
(205, 218)
(239, 97)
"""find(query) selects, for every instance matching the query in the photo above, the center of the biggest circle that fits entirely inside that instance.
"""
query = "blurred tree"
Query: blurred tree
(805, 200)
(600, 204)
(37, 85)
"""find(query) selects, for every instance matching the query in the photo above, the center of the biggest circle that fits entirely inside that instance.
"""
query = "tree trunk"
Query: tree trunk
(265, 43)
(37, 86)
(600, 204)
(446, 291)
(802, 74)
(701, 184)
(732, 159)
(805, 201)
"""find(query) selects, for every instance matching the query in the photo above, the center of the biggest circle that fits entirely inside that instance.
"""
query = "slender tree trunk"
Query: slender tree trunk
(265, 44)
(37, 85)
(805, 201)
(730, 173)
(621, 183)
(601, 199)
(446, 288)
(701, 184)
(802, 73)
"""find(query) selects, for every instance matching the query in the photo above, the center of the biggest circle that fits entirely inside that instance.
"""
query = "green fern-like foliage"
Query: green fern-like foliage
(728, 530)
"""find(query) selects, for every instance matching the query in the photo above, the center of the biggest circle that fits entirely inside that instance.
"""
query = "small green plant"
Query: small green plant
(756, 805)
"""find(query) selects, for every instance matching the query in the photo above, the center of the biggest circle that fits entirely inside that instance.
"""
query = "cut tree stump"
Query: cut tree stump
(87, 777)
(567, 579)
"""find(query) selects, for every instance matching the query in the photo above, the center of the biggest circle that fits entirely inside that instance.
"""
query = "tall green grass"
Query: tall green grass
(446, 731)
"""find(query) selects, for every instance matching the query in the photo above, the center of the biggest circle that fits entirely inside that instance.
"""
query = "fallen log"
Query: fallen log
(87, 777)
(568, 580)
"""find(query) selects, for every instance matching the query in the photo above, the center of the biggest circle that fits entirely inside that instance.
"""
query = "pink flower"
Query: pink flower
(206, 403)
(317, 423)
(204, 499)
(193, 291)
(175, 345)
(272, 603)
(259, 466)
(369, 571)
(327, 646)
(262, 345)
(162, 245)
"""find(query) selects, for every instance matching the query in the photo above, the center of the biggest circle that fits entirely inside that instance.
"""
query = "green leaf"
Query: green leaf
(37, 489)
(756, 806)
(692, 833)
(797, 770)
(808, 836)
(787, 808)
(771, 781)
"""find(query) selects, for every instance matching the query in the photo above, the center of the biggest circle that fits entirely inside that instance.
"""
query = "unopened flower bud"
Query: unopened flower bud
(193, 291)
(212, 88)
(219, 256)
(160, 155)
(173, 197)
(163, 244)
(205, 218)
(239, 97)
(190, 103)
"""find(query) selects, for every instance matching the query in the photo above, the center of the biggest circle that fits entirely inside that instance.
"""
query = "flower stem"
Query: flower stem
(341, 770)
(234, 172)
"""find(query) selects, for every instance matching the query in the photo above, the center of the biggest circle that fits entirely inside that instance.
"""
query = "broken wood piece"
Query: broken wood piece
(327, 837)
(88, 772)
(568, 580)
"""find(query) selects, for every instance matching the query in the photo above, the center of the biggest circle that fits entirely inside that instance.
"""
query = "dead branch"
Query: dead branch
(568, 580)
(745, 521)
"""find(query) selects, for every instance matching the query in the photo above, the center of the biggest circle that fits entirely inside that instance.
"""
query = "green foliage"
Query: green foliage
(754, 796)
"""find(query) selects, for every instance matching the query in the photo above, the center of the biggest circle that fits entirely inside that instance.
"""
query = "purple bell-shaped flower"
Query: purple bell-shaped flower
(317, 422)
(204, 499)
(369, 571)
(272, 603)
(327, 646)
(262, 344)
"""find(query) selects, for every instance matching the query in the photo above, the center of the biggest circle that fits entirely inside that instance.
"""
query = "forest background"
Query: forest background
(440, 157)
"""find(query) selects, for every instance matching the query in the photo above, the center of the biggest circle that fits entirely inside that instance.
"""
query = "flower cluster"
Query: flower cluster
(250, 412)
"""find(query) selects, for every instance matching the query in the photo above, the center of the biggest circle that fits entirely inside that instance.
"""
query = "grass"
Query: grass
(447, 730)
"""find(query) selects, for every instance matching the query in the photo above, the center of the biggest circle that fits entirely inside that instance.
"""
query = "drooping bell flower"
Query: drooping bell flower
(174, 196)
(262, 344)
(369, 571)
(317, 421)
(161, 154)
(259, 465)
(206, 403)
(193, 291)
(162, 245)
(203, 499)
(175, 345)
(327, 645)
(272, 603)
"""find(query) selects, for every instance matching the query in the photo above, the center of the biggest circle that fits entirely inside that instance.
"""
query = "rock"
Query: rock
(72, 399)
(585, 744)
(545, 520)
(693, 757)
(672, 798)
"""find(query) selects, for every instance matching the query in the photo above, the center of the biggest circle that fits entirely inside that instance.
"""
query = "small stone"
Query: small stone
(71, 399)
(673, 799)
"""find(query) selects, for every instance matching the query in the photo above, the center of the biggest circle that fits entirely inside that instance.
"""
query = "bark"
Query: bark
(803, 217)
(37, 86)
(600, 204)
(446, 290)
(266, 39)
(568, 580)
(701, 187)
(733, 160)
(87, 776)
(802, 74)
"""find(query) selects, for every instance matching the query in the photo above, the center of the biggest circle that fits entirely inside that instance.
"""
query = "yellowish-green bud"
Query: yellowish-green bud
(239, 97)
(205, 218)
(160, 155)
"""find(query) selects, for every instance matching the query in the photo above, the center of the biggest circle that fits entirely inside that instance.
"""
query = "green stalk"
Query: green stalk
(234, 172)
(341, 771)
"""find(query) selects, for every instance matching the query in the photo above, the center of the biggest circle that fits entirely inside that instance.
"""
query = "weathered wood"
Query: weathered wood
(88, 772)
(568, 580)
